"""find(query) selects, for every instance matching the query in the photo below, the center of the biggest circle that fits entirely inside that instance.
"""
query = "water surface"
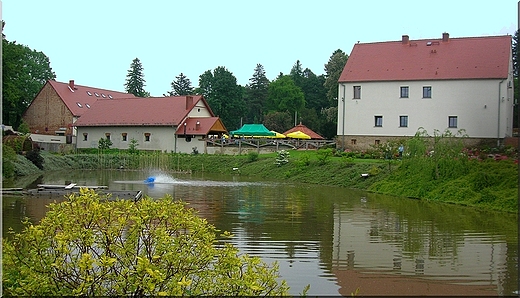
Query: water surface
(335, 239)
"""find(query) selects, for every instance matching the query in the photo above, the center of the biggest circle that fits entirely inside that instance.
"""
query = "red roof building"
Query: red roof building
(58, 105)
(391, 89)
(172, 124)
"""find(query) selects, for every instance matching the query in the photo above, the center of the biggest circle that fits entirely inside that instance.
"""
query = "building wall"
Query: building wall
(475, 103)
(161, 138)
(47, 114)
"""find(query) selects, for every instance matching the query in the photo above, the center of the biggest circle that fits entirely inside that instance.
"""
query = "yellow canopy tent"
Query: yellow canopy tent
(298, 135)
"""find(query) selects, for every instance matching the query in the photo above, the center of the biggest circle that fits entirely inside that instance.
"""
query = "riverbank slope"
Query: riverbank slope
(488, 184)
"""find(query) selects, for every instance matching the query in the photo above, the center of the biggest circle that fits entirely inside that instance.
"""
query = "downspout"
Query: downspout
(174, 140)
(498, 126)
(343, 118)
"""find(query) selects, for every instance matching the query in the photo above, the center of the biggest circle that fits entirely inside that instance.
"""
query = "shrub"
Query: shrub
(90, 247)
(282, 158)
(35, 157)
(252, 156)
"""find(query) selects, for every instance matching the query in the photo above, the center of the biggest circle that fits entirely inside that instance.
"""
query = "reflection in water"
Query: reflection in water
(337, 240)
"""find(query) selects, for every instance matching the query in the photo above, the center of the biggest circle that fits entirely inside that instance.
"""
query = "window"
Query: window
(378, 121)
(403, 121)
(427, 92)
(452, 121)
(353, 141)
(147, 137)
(123, 137)
(85, 136)
(357, 92)
(404, 91)
(377, 142)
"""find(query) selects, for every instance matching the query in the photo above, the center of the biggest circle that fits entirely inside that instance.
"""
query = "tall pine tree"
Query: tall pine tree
(135, 79)
(333, 70)
(181, 86)
(256, 95)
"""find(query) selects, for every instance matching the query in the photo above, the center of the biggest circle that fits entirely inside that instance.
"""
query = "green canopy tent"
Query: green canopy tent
(257, 130)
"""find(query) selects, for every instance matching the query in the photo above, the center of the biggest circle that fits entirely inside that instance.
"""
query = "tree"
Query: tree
(88, 246)
(284, 95)
(104, 143)
(224, 96)
(296, 73)
(135, 81)
(181, 86)
(278, 121)
(256, 95)
(333, 70)
(24, 72)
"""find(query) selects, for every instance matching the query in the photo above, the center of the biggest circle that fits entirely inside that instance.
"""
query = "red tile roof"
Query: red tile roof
(151, 111)
(305, 130)
(429, 59)
(78, 98)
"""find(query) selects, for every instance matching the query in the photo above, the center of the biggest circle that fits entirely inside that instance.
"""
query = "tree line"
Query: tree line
(300, 96)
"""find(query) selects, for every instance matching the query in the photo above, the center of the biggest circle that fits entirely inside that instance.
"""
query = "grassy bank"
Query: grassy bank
(486, 184)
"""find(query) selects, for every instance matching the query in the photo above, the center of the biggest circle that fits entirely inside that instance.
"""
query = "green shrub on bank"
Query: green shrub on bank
(125, 248)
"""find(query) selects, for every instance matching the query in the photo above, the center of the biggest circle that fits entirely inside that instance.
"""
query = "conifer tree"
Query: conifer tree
(135, 81)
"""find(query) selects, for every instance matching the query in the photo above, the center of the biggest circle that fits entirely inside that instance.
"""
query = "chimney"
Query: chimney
(445, 37)
(71, 84)
(405, 39)
(189, 101)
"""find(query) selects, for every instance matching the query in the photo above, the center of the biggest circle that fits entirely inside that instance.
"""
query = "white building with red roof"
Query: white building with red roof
(168, 124)
(389, 90)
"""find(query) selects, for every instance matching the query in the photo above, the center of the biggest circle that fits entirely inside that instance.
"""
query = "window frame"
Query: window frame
(401, 118)
(357, 92)
(402, 93)
(427, 92)
(85, 136)
(124, 137)
(147, 137)
(376, 122)
(107, 135)
(450, 121)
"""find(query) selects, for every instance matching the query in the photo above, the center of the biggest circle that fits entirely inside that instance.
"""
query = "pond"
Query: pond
(337, 240)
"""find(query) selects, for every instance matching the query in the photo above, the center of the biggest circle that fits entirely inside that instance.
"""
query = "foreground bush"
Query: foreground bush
(88, 246)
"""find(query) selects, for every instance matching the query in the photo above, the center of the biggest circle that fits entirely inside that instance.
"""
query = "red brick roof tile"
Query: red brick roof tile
(78, 98)
(429, 59)
(149, 111)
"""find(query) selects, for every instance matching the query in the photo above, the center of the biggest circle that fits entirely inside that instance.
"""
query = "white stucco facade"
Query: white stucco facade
(483, 108)
(159, 138)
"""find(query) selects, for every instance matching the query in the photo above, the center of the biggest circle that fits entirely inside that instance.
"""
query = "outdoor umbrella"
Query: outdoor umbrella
(277, 135)
(298, 135)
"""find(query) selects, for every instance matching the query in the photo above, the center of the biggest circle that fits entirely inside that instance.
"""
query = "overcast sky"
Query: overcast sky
(94, 42)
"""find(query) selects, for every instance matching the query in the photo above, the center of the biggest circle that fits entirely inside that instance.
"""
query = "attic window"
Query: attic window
(97, 94)
(110, 96)
(87, 105)
(103, 95)
(79, 104)
(89, 94)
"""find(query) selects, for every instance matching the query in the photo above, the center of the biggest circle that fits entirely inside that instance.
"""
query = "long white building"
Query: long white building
(389, 90)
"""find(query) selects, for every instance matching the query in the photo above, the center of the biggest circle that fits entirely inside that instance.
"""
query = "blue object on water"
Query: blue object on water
(150, 179)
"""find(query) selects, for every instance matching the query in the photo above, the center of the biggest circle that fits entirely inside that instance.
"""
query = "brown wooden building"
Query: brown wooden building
(58, 106)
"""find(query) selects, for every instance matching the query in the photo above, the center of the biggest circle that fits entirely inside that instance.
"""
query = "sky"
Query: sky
(94, 42)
